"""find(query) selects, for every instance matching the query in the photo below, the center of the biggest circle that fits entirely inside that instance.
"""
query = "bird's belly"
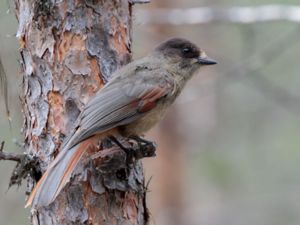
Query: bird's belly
(145, 123)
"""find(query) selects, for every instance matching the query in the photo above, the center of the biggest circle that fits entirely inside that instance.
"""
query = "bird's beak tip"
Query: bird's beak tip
(206, 61)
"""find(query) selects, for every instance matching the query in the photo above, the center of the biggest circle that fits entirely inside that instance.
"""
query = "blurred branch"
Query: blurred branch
(202, 15)
(4, 92)
(8, 6)
(9, 156)
(274, 92)
(139, 1)
(266, 54)
(251, 70)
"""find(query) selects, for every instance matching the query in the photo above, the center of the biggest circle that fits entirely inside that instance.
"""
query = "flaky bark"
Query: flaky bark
(69, 49)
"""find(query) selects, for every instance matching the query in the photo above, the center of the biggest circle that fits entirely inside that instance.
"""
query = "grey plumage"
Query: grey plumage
(100, 114)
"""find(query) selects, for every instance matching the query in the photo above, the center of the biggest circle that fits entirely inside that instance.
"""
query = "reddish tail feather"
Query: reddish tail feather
(57, 175)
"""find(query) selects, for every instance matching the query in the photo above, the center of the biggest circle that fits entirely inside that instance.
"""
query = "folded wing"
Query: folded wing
(117, 105)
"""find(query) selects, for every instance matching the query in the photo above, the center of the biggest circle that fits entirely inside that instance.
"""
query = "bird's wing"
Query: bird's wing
(117, 105)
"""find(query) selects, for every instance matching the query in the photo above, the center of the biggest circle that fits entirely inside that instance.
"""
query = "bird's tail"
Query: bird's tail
(57, 175)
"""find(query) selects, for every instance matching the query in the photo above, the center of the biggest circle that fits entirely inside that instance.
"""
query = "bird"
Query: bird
(130, 103)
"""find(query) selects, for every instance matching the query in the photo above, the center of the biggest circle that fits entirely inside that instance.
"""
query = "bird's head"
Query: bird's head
(183, 56)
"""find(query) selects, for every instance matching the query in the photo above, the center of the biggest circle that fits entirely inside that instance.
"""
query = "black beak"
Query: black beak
(206, 61)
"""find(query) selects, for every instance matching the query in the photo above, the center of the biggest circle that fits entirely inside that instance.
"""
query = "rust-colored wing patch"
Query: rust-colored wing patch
(149, 100)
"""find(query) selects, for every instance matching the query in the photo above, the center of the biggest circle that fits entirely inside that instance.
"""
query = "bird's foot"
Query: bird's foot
(140, 149)
(145, 148)
(128, 150)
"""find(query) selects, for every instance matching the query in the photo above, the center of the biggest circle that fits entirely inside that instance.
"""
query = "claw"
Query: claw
(144, 148)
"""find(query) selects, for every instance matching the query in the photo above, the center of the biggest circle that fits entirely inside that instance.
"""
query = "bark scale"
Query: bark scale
(69, 49)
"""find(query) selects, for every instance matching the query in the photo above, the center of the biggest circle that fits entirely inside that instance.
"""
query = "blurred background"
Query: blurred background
(229, 148)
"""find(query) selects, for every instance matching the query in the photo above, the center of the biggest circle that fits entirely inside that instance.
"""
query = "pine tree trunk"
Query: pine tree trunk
(69, 49)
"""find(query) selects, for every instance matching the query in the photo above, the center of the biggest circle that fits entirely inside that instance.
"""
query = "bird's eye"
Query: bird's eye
(186, 50)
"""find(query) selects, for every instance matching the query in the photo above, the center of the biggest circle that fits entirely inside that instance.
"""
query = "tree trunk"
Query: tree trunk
(69, 49)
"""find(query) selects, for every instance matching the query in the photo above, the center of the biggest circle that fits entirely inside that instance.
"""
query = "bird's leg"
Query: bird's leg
(142, 142)
(129, 151)
(143, 149)
(146, 148)
(105, 143)
(116, 141)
